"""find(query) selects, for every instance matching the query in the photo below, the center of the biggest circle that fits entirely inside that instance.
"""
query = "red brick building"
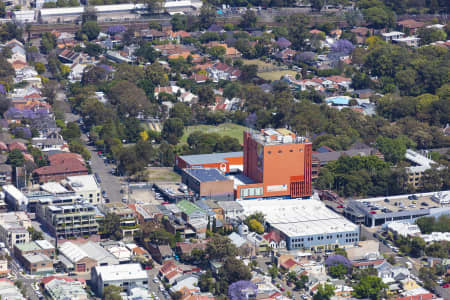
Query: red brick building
(60, 169)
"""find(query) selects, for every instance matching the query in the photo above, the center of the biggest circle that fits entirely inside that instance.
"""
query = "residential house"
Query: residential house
(160, 253)
(221, 71)
(275, 240)
(5, 174)
(411, 25)
(245, 248)
(169, 271)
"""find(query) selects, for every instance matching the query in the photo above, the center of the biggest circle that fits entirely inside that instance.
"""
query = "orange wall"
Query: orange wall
(285, 164)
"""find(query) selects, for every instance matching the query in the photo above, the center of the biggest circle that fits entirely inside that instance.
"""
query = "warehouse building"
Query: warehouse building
(116, 12)
(209, 184)
(305, 224)
(125, 276)
(225, 162)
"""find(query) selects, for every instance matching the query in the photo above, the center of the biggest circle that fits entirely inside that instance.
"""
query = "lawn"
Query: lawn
(262, 65)
(162, 175)
(275, 75)
(229, 129)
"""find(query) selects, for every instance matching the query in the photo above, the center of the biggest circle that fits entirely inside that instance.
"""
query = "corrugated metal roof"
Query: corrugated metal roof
(212, 158)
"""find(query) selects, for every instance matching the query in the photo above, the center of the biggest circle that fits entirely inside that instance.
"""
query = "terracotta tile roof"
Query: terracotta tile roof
(61, 157)
(66, 166)
(46, 280)
(412, 24)
(287, 264)
(417, 297)
(272, 236)
(168, 266)
(17, 145)
(315, 31)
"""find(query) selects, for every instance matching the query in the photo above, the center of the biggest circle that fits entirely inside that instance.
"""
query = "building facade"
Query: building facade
(279, 163)
(68, 221)
(125, 276)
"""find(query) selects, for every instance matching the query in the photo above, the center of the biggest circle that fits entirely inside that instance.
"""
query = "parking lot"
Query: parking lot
(143, 195)
(396, 204)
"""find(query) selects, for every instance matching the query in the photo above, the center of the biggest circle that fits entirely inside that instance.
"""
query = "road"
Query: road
(109, 183)
(27, 283)
(154, 287)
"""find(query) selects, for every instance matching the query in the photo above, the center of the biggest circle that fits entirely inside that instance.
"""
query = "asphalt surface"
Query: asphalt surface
(109, 183)
(27, 283)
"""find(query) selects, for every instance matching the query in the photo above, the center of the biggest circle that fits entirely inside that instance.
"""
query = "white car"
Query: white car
(155, 280)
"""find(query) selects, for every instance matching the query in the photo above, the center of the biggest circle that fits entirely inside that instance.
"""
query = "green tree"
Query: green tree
(110, 226)
(273, 271)
(2, 10)
(220, 247)
(112, 292)
(255, 226)
(48, 42)
(216, 51)
(248, 20)
(207, 16)
(147, 52)
(35, 234)
(40, 67)
(91, 29)
(15, 158)
(337, 271)
(394, 149)
(324, 292)
(430, 35)
(172, 130)
(369, 287)
(317, 4)
(248, 72)
(234, 270)
(206, 95)
(301, 282)
(298, 30)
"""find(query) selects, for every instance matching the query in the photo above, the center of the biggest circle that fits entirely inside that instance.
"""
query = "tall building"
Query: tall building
(279, 164)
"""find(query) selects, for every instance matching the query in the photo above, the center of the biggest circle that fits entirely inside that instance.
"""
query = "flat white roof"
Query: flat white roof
(121, 272)
(83, 183)
(54, 188)
(15, 193)
(299, 217)
(99, 9)
(392, 33)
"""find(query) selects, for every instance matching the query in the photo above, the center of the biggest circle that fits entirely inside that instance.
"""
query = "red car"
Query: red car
(373, 212)
(445, 286)
(282, 289)
(340, 206)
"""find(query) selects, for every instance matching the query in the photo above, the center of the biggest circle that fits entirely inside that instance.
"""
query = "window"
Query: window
(300, 150)
(269, 152)
(279, 151)
(291, 150)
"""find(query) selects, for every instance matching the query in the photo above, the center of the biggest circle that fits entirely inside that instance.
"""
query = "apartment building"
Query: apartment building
(128, 222)
(85, 187)
(68, 221)
(13, 228)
